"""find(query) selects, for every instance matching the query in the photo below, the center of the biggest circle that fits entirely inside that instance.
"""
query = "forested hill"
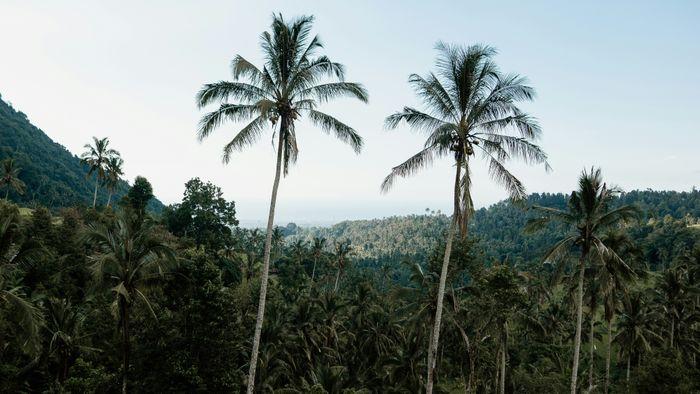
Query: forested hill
(669, 224)
(54, 177)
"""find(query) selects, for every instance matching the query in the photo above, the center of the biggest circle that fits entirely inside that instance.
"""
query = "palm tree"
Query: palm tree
(588, 215)
(298, 251)
(10, 178)
(593, 293)
(292, 83)
(342, 250)
(114, 172)
(317, 248)
(127, 260)
(65, 328)
(471, 107)
(22, 309)
(635, 332)
(613, 278)
(672, 295)
(14, 252)
(96, 157)
(418, 305)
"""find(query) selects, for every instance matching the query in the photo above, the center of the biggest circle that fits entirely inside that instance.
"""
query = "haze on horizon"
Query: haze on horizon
(616, 88)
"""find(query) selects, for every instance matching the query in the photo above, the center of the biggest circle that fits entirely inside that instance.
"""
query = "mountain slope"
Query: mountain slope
(53, 175)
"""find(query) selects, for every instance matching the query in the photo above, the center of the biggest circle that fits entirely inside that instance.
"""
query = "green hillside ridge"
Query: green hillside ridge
(500, 227)
(54, 176)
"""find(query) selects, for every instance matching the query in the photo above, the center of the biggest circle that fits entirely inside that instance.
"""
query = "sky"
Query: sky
(616, 82)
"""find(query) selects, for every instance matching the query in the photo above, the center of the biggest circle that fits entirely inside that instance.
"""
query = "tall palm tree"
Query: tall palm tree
(342, 250)
(291, 84)
(471, 108)
(317, 247)
(113, 174)
(128, 259)
(614, 279)
(96, 157)
(588, 215)
(593, 292)
(10, 178)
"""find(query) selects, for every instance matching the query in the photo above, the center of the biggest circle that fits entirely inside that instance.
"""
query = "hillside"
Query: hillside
(500, 227)
(53, 175)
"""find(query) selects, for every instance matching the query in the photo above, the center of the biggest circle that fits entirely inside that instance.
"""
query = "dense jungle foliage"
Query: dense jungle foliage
(336, 323)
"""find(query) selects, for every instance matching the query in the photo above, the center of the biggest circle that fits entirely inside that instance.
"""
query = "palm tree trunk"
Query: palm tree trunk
(337, 277)
(313, 271)
(64, 373)
(125, 338)
(579, 318)
(109, 199)
(7, 193)
(65, 369)
(266, 264)
(432, 347)
(94, 197)
(628, 368)
(608, 353)
(591, 355)
(430, 337)
(503, 362)
(472, 372)
(673, 329)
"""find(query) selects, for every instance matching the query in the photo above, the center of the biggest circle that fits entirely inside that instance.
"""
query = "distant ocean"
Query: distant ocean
(248, 223)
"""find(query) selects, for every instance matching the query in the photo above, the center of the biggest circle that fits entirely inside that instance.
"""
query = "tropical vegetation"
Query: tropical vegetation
(103, 289)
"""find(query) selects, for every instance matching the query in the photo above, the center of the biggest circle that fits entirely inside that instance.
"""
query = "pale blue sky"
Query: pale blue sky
(616, 85)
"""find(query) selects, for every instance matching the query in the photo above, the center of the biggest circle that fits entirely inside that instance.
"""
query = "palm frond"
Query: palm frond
(245, 137)
(414, 164)
(328, 91)
(223, 90)
(501, 175)
(434, 95)
(231, 112)
(415, 119)
(330, 124)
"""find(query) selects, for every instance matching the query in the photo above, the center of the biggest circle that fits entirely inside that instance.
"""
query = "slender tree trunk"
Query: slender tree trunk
(432, 348)
(629, 357)
(337, 278)
(266, 264)
(591, 355)
(431, 334)
(64, 374)
(313, 271)
(464, 212)
(94, 197)
(608, 353)
(579, 318)
(7, 193)
(125, 339)
(673, 329)
(109, 199)
(472, 372)
(504, 346)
